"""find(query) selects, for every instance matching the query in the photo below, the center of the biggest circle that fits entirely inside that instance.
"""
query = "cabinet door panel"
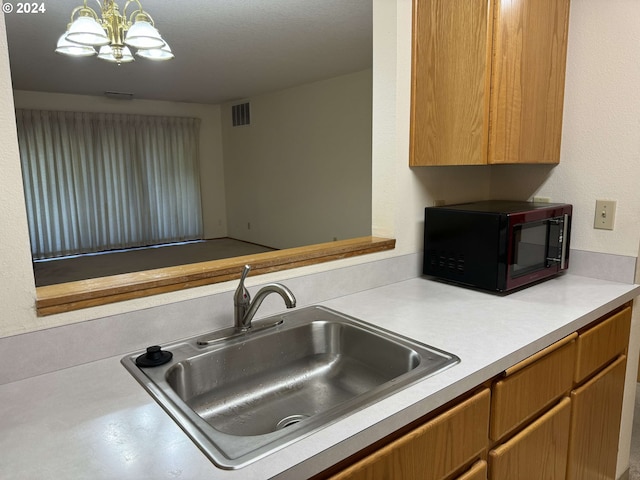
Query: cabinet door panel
(432, 451)
(477, 472)
(537, 452)
(450, 82)
(523, 394)
(602, 343)
(595, 425)
(527, 85)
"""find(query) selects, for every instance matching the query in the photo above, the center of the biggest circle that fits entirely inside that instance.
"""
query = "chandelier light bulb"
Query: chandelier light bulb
(163, 53)
(66, 47)
(115, 54)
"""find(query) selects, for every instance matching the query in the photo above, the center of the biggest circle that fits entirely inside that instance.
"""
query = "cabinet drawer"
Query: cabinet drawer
(432, 451)
(599, 345)
(531, 386)
(595, 424)
(539, 451)
(478, 471)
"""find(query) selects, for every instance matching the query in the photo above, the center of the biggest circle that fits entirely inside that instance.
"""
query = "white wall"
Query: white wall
(17, 287)
(211, 166)
(400, 193)
(600, 156)
(308, 151)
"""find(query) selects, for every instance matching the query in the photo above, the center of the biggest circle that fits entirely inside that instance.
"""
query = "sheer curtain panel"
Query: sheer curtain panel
(99, 181)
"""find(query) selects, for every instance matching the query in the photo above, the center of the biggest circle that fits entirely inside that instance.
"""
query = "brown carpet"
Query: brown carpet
(83, 267)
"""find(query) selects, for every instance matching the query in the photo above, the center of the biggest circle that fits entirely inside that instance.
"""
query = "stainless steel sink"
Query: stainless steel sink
(241, 398)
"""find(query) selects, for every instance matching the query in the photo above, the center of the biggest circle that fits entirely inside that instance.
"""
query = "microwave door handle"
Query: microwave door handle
(563, 242)
(561, 259)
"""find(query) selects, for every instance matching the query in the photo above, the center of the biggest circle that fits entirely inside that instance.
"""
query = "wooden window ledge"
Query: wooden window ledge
(65, 297)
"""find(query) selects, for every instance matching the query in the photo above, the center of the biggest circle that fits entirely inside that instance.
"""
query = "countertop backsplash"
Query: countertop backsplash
(44, 351)
(61, 347)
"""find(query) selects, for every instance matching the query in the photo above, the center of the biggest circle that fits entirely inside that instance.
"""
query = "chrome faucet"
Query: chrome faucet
(245, 309)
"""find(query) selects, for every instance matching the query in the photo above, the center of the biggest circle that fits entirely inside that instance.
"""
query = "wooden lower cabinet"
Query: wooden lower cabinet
(478, 471)
(599, 345)
(531, 387)
(537, 452)
(433, 451)
(553, 416)
(595, 425)
(597, 397)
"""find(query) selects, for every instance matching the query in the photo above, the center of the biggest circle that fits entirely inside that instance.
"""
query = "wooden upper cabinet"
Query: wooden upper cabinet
(487, 81)
(527, 84)
(450, 82)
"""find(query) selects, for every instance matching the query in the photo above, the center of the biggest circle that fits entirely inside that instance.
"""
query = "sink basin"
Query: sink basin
(245, 396)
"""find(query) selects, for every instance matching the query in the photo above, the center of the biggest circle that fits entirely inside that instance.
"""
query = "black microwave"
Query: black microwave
(497, 245)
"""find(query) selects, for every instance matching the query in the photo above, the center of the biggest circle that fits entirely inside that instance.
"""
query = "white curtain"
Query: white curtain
(99, 181)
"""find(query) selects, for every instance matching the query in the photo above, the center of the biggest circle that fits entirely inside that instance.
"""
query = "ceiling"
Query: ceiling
(225, 49)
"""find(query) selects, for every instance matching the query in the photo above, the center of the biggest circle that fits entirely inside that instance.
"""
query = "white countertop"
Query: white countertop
(95, 421)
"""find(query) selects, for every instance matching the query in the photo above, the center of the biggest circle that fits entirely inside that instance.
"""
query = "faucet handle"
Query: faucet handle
(245, 273)
(242, 297)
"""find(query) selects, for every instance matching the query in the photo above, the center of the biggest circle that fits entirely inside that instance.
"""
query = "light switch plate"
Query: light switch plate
(605, 214)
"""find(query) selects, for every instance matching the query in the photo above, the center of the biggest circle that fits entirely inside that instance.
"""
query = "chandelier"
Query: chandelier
(114, 33)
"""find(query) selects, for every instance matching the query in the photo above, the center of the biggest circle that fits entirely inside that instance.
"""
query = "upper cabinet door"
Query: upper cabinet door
(487, 81)
(527, 85)
(450, 82)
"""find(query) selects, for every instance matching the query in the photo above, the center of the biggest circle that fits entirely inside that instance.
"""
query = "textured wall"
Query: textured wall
(301, 172)
(600, 157)
(601, 135)
(17, 287)
(400, 193)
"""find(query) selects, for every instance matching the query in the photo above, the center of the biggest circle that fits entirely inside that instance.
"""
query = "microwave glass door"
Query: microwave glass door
(529, 247)
(537, 245)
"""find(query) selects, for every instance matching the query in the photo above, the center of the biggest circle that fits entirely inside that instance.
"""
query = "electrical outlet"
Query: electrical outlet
(605, 214)
(542, 199)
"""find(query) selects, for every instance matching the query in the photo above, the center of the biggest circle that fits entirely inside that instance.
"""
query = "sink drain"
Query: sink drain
(290, 420)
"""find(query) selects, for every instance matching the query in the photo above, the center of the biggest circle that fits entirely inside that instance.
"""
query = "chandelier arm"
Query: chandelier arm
(138, 11)
(85, 8)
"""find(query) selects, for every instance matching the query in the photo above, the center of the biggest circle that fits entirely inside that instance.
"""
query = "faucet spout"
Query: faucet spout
(245, 309)
(284, 292)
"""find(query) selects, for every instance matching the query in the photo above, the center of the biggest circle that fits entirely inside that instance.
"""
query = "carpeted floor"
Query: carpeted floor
(112, 263)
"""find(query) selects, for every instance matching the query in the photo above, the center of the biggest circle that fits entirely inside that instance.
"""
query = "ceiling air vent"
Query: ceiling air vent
(241, 114)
